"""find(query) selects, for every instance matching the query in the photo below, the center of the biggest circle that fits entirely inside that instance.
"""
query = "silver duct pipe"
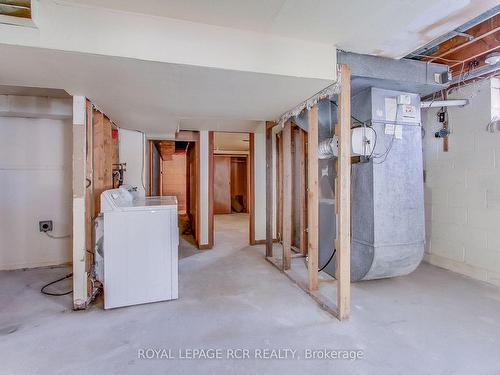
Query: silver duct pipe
(328, 148)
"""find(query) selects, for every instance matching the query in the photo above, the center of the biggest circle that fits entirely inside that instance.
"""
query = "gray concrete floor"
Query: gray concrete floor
(430, 322)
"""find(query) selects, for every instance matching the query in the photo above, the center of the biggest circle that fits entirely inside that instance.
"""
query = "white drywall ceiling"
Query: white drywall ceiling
(390, 28)
(155, 97)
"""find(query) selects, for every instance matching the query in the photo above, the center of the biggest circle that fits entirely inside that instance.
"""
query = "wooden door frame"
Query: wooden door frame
(250, 186)
(151, 144)
(189, 136)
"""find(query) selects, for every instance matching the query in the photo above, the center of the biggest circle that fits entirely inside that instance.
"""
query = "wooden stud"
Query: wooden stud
(108, 154)
(251, 187)
(279, 186)
(210, 189)
(99, 161)
(287, 195)
(312, 197)
(303, 191)
(197, 220)
(343, 131)
(269, 188)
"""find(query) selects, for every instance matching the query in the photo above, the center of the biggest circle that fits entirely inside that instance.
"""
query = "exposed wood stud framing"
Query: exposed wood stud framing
(250, 187)
(210, 189)
(269, 188)
(312, 198)
(463, 56)
(279, 185)
(303, 192)
(343, 131)
(287, 195)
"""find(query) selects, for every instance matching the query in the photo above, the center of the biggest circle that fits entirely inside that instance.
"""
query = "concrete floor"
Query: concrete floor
(430, 322)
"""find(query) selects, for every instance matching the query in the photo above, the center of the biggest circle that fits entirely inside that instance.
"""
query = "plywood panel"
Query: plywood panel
(174, 179)
(222, 184)
(102, 154)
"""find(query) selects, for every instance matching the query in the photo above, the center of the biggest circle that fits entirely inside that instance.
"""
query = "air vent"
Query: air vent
(16, 8)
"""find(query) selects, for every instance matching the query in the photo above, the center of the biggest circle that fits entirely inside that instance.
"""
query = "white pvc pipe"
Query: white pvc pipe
(444, 103)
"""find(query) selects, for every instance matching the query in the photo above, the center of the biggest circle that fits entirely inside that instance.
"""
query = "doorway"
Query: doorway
(174, 171)
(232, 182)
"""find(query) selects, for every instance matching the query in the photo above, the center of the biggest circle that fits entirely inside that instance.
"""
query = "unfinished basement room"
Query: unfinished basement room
(250, 187)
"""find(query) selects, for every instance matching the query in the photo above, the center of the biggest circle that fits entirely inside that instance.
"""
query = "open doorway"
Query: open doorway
(232, 184)
(174, 171)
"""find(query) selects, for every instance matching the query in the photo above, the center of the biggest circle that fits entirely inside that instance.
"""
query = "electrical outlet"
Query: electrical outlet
(45, 226)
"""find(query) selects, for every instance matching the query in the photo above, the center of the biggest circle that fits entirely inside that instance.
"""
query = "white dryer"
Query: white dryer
(140, 248)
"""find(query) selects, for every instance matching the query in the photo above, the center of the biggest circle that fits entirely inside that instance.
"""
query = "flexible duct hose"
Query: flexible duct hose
(327, 148)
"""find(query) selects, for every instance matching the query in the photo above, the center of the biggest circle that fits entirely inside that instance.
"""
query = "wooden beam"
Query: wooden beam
(269, 188)
(287, 195)
(312, 197)
(343, 132)
(187, 136)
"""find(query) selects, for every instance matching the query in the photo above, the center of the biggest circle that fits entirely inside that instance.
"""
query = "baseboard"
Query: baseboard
(32, 266)
(459, 267)
(259, 242)
(205, 247)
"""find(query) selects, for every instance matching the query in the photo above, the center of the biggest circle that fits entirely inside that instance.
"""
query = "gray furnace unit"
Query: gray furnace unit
(388, 222)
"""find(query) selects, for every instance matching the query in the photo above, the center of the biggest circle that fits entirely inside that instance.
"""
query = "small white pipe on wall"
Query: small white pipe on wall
(444, 103)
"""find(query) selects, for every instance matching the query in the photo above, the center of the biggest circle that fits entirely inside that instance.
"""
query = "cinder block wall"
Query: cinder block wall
(462, 186)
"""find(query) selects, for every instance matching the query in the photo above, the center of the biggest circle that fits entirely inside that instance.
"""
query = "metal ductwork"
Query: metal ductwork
(401, 75)
(388, 223)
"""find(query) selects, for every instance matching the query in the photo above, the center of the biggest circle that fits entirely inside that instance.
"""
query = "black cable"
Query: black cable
(56, 281)
(354, 118)
(329, 260)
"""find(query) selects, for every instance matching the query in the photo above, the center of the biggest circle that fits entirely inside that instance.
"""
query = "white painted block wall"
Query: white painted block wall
(132, 150)
(462, 188)
(36, 184)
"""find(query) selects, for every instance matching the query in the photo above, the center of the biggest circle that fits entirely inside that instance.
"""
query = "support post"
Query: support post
(287, 196)
(210, 189)
(80, 224)
(251, 187)
(343, 131)
(312, 197)
(269, 188)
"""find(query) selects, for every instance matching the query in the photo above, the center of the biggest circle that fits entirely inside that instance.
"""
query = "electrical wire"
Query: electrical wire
(42, 290)
(374, 142)
(329, 260)
(354, 118)
(57, 237)
(387, 151)
(436, 58)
